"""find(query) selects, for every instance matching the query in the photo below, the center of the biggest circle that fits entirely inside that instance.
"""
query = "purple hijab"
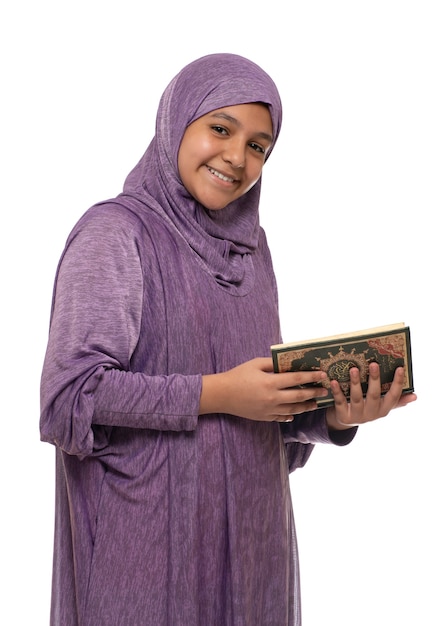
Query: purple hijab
(224, 239)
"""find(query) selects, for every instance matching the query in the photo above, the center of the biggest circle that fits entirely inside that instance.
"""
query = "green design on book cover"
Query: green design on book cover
(336, 358)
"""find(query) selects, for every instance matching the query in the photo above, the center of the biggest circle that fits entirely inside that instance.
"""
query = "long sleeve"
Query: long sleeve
(95, 326)
(305, 431)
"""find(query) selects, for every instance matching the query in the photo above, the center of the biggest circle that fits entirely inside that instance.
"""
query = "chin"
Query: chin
(214, 206)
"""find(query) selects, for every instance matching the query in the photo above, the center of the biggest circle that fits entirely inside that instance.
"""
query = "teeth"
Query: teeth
(221, 176)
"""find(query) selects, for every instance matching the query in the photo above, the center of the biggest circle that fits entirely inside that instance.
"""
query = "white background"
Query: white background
(353, 202)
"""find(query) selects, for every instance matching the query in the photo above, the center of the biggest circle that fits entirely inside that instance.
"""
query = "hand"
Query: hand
(252, 390)
(374, 406)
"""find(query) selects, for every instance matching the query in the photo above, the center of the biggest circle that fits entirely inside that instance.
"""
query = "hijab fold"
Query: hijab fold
(223, 240)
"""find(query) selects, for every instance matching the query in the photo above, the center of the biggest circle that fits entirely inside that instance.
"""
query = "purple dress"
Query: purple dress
(164, 518)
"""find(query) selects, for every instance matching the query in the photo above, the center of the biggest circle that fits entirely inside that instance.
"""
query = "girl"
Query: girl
(173, 436)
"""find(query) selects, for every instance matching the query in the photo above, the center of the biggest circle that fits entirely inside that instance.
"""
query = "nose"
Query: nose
(234, 153)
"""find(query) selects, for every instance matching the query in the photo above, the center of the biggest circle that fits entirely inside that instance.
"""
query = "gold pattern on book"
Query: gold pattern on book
(338, 367)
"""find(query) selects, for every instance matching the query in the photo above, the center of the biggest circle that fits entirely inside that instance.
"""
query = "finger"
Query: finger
(406, 398)
(371, 407)
(340, 402)
(374, 383)
(304, 407)
(373, 399)
(297, 395)
(290, 410)
(265, 364)
(356, 392)
(287, 380)
(351, 411)
(393, 396)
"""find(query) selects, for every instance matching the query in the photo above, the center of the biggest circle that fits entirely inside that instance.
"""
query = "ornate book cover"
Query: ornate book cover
(387, 345)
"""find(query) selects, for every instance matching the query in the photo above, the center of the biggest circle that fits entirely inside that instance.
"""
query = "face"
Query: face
(222, 153)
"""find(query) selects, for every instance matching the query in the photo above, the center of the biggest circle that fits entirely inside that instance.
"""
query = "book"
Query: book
(389, 346)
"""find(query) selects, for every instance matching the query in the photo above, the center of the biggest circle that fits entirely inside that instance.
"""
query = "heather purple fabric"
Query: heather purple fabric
(164, 518)
(223, 240)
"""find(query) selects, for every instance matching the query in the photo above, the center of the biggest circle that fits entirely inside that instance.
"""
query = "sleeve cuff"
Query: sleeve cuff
(342, 437)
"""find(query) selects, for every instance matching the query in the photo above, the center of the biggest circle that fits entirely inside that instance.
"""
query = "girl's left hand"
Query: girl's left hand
(361, 410)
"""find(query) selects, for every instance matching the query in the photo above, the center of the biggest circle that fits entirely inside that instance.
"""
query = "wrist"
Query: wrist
(333, 423)
(212, 398)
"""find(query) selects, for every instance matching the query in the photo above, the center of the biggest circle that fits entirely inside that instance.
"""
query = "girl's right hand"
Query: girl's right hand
(252, 390)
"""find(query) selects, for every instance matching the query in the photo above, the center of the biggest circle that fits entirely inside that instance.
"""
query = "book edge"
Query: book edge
(377, 330)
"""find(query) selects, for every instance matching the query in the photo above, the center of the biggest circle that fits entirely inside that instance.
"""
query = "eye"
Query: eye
(257, 147)
(220, 130)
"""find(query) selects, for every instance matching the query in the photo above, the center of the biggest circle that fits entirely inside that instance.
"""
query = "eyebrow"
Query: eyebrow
(235, 121)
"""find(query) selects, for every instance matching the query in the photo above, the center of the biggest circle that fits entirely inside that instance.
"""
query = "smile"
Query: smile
(221, 176)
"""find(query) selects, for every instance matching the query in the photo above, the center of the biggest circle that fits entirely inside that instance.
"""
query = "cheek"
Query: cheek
(195, 146)
(201, 150)
(190, 160)
(253, 173)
